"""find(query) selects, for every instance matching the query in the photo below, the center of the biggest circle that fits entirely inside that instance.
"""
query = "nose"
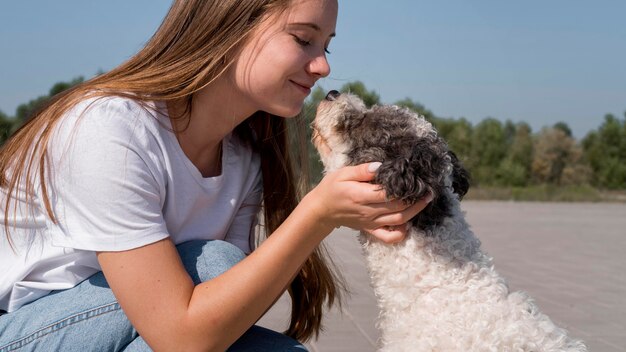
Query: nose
(332, 95)
(319, 66)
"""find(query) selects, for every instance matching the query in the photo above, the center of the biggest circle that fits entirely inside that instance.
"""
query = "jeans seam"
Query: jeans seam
(58, 325)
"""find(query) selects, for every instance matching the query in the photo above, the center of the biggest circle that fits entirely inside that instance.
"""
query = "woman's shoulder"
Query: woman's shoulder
(102, 126)
(111, 116)
(115, 110)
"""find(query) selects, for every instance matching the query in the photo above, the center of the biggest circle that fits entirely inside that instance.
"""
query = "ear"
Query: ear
(349, 120)
(412, 175)
(411, 171)
(460, 176)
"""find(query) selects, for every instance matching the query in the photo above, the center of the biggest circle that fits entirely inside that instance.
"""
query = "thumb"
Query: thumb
(362, 173)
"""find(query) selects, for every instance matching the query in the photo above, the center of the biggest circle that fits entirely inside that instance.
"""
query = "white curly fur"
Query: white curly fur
(438, 291)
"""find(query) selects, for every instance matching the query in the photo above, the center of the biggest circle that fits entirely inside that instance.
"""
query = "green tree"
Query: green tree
(521, 149)
(558, 159)
(458, 134)
(516, 167)
(509, 129)
(563, 126)
(605, 151)
(488, 150)
(6, 126)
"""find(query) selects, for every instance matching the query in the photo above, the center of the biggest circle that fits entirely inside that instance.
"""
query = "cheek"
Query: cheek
(261, 77)
(263, 74)
(253, 68)
(282, 58)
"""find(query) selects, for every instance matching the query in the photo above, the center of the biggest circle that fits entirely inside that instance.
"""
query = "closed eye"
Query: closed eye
(301, 41)
(306, 43)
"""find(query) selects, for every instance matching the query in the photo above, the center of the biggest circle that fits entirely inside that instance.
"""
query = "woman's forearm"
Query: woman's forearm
(229, 304)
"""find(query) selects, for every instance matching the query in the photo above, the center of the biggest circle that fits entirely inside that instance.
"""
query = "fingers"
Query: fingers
(362, 173)
(389, 234)
(388, 206)
(393, 227)
(402, 215)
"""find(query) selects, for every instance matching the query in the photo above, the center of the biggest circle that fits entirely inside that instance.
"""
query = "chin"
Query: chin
(286, 111)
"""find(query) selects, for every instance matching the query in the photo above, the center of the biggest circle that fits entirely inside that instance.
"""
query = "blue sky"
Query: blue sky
(534, 61)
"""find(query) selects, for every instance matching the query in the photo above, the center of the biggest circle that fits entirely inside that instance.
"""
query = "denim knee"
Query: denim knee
(205, 260)
(260, 339)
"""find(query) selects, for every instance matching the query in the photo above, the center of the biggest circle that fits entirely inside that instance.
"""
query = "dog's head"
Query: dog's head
(415, 160)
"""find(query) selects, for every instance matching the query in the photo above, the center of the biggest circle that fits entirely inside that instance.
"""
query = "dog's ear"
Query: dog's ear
(349, 120)
(410, 177)
(460, 176)
(410, 173)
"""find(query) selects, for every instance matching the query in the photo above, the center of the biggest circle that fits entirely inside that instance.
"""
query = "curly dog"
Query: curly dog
(436, 290)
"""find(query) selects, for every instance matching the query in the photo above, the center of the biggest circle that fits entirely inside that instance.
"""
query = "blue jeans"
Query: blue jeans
(88, 317)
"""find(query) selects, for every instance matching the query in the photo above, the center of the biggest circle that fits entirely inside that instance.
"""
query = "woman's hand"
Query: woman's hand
(346, 198)
(396, 233)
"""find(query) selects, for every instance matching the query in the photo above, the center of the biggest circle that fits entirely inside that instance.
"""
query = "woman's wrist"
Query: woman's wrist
(315, 208)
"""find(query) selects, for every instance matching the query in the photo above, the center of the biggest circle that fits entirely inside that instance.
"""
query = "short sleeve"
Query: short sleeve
(108, 185)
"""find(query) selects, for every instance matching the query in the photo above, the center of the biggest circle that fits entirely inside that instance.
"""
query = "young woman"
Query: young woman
(130, 201)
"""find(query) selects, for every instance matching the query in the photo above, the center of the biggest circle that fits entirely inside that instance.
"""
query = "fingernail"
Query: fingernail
(429, 197)
(373, 166)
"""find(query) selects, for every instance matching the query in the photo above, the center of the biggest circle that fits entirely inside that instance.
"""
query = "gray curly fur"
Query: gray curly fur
(412, 164)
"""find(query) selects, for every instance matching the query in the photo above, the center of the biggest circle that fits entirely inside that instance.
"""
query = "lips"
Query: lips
(303, 87)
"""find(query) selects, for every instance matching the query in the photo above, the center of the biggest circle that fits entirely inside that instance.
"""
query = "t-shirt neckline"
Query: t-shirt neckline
(207, 182)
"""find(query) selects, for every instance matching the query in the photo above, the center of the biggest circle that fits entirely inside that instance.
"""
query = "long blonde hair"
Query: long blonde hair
(191, 48)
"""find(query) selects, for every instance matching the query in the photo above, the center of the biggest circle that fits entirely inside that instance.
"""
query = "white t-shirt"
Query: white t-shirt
(120, 181)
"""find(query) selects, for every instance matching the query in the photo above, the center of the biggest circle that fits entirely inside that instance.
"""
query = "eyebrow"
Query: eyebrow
(310, 25)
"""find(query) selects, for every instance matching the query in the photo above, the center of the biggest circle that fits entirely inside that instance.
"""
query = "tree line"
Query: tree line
(500, 154)
(510, 154)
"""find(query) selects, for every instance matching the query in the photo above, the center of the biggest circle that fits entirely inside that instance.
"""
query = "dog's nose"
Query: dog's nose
(332, 95)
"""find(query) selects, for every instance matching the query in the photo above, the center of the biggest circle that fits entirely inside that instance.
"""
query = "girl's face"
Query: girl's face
(285, 56)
